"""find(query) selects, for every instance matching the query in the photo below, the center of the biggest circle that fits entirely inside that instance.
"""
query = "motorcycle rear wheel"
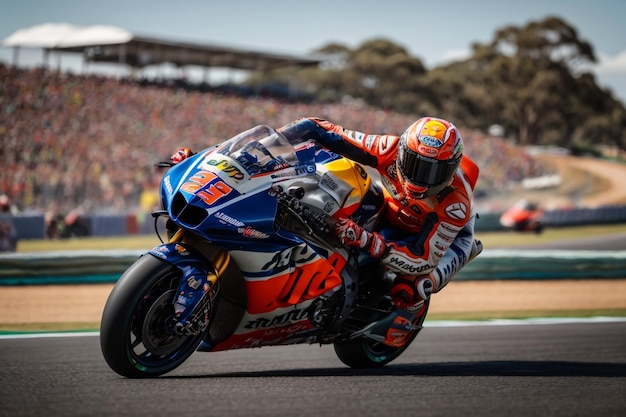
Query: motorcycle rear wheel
(369, 353)
(137, 337)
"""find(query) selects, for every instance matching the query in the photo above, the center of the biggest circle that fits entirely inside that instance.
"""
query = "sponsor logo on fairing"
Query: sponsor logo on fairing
(292, 316)
(181, 250)
(328, 182)
(225, 166)
(160, 251)
(296, 171)
(158, 254)
(252, 232)
(181, 300)
(296, 256)
(168, 184)
(374, 336)
(193, 283)
(225, 218)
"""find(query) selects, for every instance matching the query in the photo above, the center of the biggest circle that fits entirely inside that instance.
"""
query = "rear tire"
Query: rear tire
(368, 353)
(136, 333)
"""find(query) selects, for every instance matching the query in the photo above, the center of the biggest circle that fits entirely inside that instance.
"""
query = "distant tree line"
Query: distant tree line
(533, 81)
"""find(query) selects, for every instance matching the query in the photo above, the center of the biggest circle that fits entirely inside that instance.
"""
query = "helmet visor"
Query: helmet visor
(422, 171)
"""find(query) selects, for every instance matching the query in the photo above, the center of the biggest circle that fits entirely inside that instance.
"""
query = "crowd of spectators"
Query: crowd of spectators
(90, 142)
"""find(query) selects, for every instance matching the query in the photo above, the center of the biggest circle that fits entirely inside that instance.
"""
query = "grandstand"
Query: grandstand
(91, 141)
(86, 143)
(139, 53)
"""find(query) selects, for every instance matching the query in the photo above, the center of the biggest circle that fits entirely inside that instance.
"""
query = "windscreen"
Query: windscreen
(260, 150)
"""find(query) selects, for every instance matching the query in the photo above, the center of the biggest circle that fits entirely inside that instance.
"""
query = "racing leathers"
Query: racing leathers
(430, 238)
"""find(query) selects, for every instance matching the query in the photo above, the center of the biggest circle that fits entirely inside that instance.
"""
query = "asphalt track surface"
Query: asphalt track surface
(571, 369)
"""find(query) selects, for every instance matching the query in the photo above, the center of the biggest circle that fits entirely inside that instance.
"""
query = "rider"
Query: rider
(427, 232)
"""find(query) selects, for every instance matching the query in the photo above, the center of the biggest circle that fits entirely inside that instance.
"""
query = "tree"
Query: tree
(604, 121)
(532, 71)
(531, 80)
(385, 75)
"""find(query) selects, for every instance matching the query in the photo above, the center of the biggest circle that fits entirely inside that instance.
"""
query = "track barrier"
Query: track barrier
(34, 227)
(91, 266)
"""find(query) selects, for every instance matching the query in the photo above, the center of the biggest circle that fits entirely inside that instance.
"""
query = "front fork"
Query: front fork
(202, 269)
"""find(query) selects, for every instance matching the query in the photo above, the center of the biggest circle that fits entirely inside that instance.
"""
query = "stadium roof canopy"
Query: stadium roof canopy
(115, 45)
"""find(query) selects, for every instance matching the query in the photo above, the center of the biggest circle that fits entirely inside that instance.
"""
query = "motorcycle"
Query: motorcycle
(251, 259)
(523, 216)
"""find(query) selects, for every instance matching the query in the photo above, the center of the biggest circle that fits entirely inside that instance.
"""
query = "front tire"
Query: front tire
(137, 337)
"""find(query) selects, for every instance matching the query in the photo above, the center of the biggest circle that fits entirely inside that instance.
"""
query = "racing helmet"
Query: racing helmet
(429, 153)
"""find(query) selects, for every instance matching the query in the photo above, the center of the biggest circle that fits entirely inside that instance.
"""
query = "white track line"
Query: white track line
(427, 324)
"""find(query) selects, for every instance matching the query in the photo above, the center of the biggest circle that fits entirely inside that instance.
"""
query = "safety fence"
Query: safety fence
(65, 267)
(89, 267)
(33, 226)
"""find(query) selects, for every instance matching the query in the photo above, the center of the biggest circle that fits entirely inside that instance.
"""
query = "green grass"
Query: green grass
(526, 314)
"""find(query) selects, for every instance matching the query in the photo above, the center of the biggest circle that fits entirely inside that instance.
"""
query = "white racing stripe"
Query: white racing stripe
(520, 322)
(427, 323)
(37, 335)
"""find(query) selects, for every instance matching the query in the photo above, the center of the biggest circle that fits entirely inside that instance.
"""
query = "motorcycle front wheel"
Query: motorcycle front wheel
(369, 353)
(137, 335)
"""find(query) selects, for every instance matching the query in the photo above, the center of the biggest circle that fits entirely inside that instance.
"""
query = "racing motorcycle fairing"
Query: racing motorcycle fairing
(198, 187)
(251, 225)
(287, 277)
(197, 278)
(207, 191)
(292, 307)
(286, 250)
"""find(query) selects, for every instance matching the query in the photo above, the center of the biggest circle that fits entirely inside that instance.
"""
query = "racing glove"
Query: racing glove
(351, 234)
(181, 154)
(409, 293)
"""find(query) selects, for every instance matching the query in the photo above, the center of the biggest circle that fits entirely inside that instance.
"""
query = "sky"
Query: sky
(435, 31)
